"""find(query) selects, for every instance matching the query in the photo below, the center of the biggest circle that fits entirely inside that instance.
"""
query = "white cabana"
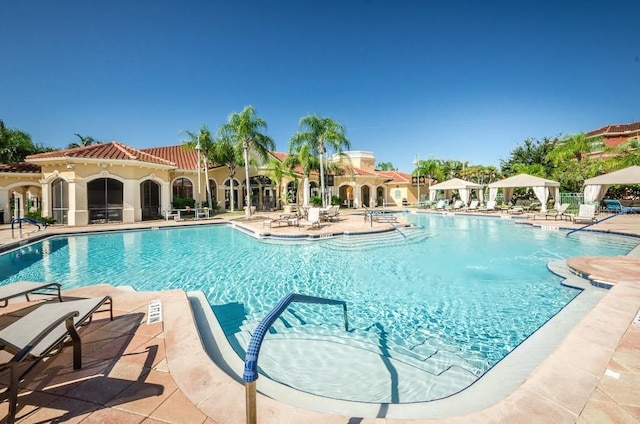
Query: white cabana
(541, 188)
(463, 187)
(596, 187)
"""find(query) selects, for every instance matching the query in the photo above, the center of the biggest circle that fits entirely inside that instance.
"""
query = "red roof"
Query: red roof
(22, 167)
(618, 129)
(112, 150)
(180, 155)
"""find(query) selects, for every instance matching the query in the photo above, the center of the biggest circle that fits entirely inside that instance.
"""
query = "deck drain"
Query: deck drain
(155, 312)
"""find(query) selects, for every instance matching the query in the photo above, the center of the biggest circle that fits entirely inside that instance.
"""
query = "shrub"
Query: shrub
(315, 201)
(182, 203)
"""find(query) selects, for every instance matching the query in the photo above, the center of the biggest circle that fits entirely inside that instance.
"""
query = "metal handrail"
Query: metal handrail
(250, 374)
(592, 223)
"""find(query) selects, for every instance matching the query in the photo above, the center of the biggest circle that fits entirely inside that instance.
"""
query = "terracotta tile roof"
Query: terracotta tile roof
(395, 176)
(180, 155)
(22, 167)
(110, 151)
(615, 129)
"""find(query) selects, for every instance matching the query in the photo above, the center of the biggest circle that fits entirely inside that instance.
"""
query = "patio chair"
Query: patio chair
(489, 207)
(312, 220)
(26, 288)
(555, 214)
(586, 213)
(38, 333)
(441, 205)
(332, 214)
(473, 206)
(614, 206)
(457, 205)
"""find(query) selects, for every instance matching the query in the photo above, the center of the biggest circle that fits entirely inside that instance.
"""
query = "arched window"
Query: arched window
(104, 200)
(182, 188)
(60, 201)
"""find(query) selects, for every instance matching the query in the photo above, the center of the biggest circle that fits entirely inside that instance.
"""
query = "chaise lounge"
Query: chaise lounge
(34, 336)
(9, 291)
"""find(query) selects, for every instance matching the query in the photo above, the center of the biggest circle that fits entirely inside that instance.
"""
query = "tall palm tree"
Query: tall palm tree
(205, 141)
(318, 133)
(83, 141)
(277, 170)
(244, 131)
(224, 152)
(305, 158)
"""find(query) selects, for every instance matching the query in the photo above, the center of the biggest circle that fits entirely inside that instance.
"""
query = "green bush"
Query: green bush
(182, 203)
(335, 200)
(315, 201)
(37, 215)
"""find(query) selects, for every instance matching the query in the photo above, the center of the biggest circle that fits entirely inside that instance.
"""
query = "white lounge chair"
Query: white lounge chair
(586, 213)
(441, 205)
(312, 220)
(557, 214)
(458, 205)
(473, 206)
(26, 288)
(490, 207)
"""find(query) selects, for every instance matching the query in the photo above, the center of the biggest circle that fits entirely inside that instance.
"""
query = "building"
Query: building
(113, 182)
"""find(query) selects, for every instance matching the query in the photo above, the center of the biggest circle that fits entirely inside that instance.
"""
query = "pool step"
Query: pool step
(404, 235)
(429, 355)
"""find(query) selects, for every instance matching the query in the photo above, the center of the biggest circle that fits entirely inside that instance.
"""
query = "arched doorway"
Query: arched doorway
(292, 192)
(262, 195)
(346, 195)
(364, 195)
(380, 196)
(60, 201)
(227, 194)
(104, 200)
(150, 200)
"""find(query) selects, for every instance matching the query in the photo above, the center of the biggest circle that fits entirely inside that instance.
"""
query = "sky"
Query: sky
(457, 80)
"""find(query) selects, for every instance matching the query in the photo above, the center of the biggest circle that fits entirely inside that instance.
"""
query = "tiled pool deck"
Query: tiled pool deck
(134, 372)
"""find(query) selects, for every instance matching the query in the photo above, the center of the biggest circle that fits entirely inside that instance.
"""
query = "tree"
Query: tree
(84, 141)
(16, 145)
(386, 166)
(224, 152)
(529, 153)
(304, 157)
(317, 133)
(575, 147)
(432, 168)
(277, 170)
(243, 130)
(205, 141)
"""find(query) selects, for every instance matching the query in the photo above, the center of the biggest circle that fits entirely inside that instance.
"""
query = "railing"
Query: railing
(250, 374)
(592, 223)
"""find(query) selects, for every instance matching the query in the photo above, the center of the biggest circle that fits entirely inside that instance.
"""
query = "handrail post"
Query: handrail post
(250, 395)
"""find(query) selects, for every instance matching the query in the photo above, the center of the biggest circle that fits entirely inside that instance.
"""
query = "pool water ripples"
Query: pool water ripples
(451, 298)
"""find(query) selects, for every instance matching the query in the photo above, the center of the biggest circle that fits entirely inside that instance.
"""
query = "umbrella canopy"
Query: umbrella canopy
(463, 187)
(596, 187)
(541, 188)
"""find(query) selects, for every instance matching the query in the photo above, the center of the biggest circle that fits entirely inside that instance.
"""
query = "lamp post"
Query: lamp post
(199, 149)
(416, 162)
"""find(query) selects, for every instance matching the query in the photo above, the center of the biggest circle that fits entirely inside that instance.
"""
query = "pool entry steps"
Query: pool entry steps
(251, 358)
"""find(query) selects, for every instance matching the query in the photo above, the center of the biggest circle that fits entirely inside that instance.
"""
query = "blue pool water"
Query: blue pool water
(461, 292)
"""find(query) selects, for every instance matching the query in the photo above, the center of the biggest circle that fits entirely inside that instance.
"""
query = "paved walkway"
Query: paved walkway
(134, 372)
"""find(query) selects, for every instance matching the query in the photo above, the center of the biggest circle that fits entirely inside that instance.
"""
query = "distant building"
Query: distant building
(613, 136)
(113, 182)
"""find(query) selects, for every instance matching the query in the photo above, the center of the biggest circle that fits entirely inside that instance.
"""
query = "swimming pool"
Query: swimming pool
(446, 302)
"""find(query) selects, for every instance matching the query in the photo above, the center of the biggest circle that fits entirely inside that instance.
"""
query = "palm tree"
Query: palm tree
(203, 141)
(243, 130)
(432, 168)
(84, 141)
(277, 170)
(386, 166)
(305, 158)
(315, 133)
(572, 147)
(224, 152)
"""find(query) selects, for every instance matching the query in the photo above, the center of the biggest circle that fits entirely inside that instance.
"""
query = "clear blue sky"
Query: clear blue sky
(456, 80)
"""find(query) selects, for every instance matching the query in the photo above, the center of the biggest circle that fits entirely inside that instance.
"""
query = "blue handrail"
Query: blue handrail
(253, 350)
(592, 223)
